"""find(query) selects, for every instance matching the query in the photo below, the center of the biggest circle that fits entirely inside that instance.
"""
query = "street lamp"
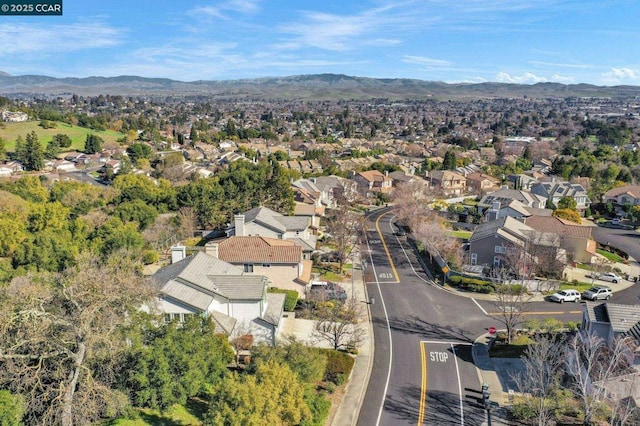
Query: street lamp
(486, 398)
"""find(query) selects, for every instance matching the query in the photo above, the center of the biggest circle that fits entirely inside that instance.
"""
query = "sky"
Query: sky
(510, 41)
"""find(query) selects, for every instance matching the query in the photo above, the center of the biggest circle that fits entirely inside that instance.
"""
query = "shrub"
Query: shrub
(572, 326)
(472, 284)
(150, 256)
(290, 299)
(339, 365)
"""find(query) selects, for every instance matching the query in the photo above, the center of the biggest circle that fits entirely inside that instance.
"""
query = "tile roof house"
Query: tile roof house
(373, 181)
(447, 181)
(515, 209)
(555, 191)
(501, 243)
(281, 261)
(575, 239)
(481, 183)
(264, 222)
(201, 284)
(626, 194)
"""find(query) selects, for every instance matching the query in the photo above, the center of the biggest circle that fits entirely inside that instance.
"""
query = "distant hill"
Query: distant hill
(306, 87)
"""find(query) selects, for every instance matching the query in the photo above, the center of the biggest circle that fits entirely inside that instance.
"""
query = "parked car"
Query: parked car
(566, 296)
(611, 277)
(596, 293)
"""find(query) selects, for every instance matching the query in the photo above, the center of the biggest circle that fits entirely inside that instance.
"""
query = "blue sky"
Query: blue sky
(566, 41)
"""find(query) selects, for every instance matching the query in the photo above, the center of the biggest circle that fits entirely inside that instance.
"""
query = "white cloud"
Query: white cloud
(526, 78)
(621, 75)
(25, 38)
(560, 65)
(244, 7)
(564, 79)
(422, 60)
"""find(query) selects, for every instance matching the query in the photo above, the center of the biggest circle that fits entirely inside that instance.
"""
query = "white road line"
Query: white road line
(481, 308)
(446, 342)
(455, 358)
(386, 316)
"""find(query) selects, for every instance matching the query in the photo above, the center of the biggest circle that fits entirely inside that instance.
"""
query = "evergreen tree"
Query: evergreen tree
(93, 144)
(3, 150)
(20, 152)
(527, 154)
(34, 159)
(193, 135)
(449, 162)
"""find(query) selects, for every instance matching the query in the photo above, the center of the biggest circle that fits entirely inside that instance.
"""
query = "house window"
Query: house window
(247, 267)
(474, 258)
(167, 318)
(496, 261)
(500, 249)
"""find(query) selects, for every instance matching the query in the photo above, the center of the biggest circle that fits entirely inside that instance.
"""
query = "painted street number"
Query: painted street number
(374, 241)
(439, 356)
(386, 275)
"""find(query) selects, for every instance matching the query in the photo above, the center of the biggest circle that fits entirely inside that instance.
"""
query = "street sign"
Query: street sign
(492, 330)
(445, 269)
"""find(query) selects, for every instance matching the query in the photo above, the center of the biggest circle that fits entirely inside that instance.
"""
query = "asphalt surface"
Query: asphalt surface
(423, 372)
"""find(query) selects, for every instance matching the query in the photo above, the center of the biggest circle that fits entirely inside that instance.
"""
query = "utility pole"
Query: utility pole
(486, 398)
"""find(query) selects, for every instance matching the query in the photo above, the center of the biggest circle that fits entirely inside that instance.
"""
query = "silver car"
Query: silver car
(566, 296)
(597, 293)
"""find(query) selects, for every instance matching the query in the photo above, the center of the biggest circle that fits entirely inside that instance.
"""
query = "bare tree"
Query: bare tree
(345, 227)
(60, 335)
(512, 304)
(591, 363)
(339, 324)
(541, 376)
(621, 394)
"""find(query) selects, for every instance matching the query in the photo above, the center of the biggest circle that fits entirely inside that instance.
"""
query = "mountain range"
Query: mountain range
(303, 87)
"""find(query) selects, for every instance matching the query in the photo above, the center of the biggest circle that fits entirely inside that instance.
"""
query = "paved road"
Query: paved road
(624, 239)
(423, 371)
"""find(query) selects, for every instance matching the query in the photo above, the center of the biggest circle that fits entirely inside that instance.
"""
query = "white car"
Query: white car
(566, 296)
(611, 277)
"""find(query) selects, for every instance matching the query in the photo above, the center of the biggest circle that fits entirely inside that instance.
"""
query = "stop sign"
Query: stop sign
(492, 330)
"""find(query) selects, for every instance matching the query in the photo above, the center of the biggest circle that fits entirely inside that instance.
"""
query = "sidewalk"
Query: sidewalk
(349, 408)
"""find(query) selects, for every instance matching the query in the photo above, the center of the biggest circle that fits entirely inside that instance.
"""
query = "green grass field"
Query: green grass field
(78, 135)
(611, 256)
(463, 235)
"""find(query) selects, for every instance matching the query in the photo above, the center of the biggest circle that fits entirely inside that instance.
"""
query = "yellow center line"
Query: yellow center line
(423, 384)
(386, 249)
(541, 313)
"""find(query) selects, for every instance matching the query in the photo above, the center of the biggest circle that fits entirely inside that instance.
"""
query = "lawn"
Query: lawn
(177, 415)
(578, 285)
(463, 235)
(507, 351)
(611, 256)
(78, 135)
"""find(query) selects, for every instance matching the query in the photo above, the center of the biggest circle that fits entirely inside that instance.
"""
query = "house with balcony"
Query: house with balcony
(448, 182)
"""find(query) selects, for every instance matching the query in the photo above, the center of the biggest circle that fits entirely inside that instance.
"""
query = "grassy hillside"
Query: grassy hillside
(78, 135)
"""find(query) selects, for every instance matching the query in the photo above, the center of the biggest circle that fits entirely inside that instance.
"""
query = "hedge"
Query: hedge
(472, 284)
(339, 366)
(290, 299)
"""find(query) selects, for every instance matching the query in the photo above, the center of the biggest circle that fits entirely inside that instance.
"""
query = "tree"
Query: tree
(62, 140)
(3, 150)
(568, 214)
(34, 159)
(58, 333)
(138, 151)
(338, 324)
(11, 409)
(20, 152)
(273, 396)
(450, 161)
(567, 203)
(93, 144)
(540, 379)
(527, 154)
(512, 304)
(345, 228)
(591, 362)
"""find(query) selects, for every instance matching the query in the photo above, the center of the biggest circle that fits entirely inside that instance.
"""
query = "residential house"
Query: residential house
(279, 260)
(238, 303)
(505, 242)
(515, 209)
(481, 183)
(574, 239)
(504, 195)
(450, 183)
(623, 195)
(613, 320)
(314, 192)
(264, 222)
(373, 181)
(522, 181)
(555, 191)
(337, 188)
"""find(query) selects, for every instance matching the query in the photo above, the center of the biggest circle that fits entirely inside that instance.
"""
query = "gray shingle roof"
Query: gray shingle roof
(623, 317)
(275, 306)
(245, 287)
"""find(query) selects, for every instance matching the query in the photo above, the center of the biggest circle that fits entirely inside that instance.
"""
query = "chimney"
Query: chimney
(238, 222)
(178, 253)
(212, 249)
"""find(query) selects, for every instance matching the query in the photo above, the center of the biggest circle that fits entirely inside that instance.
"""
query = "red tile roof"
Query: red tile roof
(259, 250)
(558, 226)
